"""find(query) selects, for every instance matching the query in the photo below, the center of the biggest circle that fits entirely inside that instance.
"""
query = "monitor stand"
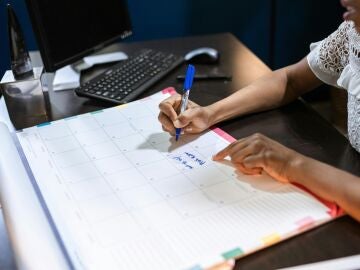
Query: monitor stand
(68, 77)
(80, 66)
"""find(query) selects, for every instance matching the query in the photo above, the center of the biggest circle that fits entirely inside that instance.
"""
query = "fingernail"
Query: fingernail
(176, 123)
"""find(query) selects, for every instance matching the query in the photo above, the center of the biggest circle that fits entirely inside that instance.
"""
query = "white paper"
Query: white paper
(29, 231)
(125, 195)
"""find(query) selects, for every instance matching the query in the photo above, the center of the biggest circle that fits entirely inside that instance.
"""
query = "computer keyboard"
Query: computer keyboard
(126, 80)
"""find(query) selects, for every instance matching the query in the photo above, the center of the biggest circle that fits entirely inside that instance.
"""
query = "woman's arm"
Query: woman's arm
(273, 90)
(330, 183)
(270, 91)
(255, 153)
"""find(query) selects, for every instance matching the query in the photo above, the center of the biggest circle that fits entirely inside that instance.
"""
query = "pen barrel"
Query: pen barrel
(184, 101)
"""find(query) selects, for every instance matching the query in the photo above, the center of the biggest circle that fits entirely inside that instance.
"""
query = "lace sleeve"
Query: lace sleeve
(328, 57)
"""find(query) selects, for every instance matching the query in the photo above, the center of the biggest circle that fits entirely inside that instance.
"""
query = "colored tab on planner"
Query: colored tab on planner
(224, 135)
(236, 252)
(99, 111)
(44, 124)
(271, 239)
(169, 90)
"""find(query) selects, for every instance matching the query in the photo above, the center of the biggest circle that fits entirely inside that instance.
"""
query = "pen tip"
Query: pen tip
(176, 137)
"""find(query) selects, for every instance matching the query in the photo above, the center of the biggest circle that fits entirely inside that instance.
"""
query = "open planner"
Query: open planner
(111, 190)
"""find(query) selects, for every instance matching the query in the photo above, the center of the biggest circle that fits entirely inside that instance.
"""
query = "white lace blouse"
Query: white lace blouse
(336, 61)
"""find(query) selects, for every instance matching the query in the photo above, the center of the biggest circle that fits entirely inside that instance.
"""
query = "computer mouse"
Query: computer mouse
(203, 55)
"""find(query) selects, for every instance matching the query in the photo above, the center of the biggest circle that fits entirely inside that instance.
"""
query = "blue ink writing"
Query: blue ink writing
(193, 157)
(189, 160)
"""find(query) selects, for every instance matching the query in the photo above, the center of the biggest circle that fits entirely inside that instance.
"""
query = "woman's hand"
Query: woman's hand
(194, 120)
(255, 153)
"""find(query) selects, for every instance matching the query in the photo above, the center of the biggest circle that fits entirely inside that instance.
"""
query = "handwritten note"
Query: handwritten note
(188, 160)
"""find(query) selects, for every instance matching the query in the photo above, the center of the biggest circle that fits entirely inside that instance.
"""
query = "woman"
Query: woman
(335, 61)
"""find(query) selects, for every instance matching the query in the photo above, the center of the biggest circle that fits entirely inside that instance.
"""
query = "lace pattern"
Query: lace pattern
(354, 48)
(354, 121)
(333, 52)
(353, 101)
(329, 59)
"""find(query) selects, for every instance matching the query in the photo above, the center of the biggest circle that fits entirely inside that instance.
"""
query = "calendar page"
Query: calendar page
(123, 194)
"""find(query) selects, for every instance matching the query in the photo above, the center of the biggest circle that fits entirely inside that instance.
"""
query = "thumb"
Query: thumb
(185, 118)
(251, 165)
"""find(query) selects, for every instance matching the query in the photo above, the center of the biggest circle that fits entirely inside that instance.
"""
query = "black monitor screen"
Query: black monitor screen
(67, 30)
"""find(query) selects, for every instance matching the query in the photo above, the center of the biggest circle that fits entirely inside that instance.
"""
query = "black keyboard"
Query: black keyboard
(126, 80)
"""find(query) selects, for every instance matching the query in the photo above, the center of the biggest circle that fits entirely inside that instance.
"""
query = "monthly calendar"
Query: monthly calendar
(123, 194)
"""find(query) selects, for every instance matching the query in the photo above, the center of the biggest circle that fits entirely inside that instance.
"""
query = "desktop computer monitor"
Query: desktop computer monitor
(68, 30)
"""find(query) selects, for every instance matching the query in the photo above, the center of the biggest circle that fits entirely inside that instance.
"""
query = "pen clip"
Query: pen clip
(190, 72)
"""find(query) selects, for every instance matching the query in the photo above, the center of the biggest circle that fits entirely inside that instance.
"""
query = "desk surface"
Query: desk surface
(295, 125)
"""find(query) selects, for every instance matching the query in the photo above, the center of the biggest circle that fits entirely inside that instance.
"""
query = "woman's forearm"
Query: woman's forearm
(270, 91)
(328, 182)
(265, 93)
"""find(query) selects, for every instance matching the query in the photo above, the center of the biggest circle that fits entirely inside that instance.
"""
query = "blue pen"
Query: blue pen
(190, 72)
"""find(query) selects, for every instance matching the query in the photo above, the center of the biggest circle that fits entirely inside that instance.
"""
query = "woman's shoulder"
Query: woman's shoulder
(334, 50)
(329, 56)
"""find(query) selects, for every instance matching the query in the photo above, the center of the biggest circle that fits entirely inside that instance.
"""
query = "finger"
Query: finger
(171, 131)
(230, 149)
(192, 104)
(166, 122)
(239, 153)
(249, 171)
(186, 118)
(254, 164)
(169, 107)
(223, 153)
(253, 161)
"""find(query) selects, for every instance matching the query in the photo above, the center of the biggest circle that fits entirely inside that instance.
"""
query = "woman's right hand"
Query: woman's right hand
(194, 120)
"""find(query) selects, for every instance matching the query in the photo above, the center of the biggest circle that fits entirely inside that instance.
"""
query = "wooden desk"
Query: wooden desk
(295, 125)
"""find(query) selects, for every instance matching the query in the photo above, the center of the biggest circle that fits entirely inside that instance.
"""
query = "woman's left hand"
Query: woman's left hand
(256, 153)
